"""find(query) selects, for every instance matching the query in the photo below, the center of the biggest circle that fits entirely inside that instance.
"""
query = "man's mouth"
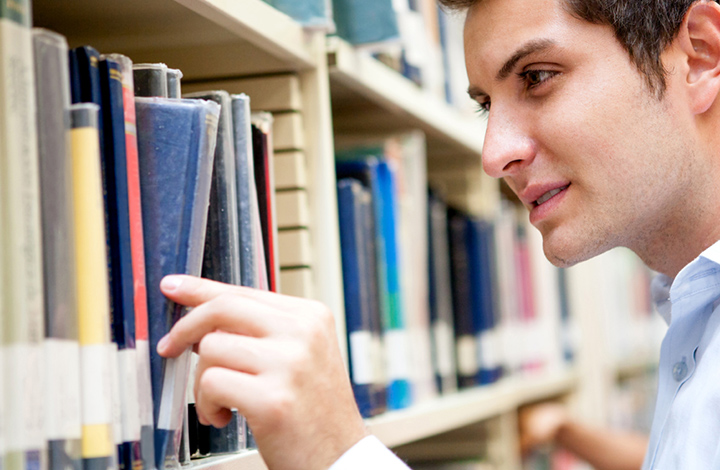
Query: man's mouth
(549, 195)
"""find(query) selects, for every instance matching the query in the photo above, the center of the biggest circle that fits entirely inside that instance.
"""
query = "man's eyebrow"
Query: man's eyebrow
(531, 47)
(528, 48)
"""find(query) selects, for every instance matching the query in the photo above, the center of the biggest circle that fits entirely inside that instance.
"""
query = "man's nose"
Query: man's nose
(508, 147)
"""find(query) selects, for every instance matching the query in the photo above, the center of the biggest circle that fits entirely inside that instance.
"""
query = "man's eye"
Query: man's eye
(483, 107)
(533, 78)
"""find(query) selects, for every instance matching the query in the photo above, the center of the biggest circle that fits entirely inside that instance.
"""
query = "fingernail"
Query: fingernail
(170, 283)
(163, 343)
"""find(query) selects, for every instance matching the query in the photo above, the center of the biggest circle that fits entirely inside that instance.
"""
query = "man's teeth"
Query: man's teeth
(546, 197)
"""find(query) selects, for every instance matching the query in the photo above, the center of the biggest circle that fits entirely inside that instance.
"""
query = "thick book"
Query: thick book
(62, 350)
(356, 276)
(465, 340)
(98, 444)
(378, 177)
(221, 260)
(252, 264)
(365, 22)
(21, 244)
(440, 297)
(176, 140)
(150, 80)
(138, 264)
(122, 312)
(265, 184)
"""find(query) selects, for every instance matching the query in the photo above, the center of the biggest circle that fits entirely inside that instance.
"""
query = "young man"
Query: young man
(604, 118)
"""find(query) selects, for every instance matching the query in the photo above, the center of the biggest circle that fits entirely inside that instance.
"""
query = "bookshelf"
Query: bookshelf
(344, 92)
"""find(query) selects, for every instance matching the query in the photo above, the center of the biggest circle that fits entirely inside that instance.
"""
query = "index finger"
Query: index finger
(193, 291)
(229, 313)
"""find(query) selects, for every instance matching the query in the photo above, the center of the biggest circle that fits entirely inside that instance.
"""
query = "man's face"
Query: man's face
(574, 130)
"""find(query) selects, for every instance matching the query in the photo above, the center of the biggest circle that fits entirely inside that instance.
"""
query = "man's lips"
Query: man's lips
(537, 194)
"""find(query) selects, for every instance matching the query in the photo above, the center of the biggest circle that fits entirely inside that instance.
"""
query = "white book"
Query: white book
(22, 299)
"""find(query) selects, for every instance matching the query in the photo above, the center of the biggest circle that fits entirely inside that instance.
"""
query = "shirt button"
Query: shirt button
(679, 371)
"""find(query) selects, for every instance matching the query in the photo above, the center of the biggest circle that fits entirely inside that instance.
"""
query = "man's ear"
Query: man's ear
(700, 42)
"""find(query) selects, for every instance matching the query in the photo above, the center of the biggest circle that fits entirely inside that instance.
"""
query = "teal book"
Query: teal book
(365, 21)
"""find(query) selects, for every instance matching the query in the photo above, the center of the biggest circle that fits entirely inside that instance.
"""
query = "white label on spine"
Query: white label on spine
(62, 389)
(142, 348)
(378, 358)
(443, 337)
(396, 350)
(130, 408)
(26, 395)
(489, 349)
(115, 394)
(467, 355)
(361, 357)
(95, 370)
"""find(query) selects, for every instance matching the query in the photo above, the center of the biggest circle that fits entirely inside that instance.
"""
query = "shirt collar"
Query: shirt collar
(665, 291)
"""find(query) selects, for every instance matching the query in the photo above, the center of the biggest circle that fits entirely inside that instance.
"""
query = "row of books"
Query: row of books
(415, 37)
(436, 298)
(110, 181)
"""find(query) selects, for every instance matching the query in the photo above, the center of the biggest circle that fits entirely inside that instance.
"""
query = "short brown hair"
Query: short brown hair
(643, 27)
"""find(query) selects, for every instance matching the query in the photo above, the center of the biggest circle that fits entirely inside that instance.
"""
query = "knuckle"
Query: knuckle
(279, 406)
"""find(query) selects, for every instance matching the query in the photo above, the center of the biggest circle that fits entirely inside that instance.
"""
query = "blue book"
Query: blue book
(221, 261)
(122, 288)
(85, 80)
(355, 280)
(378, 177)
(174, 137)
(465, 340)
(365, 21)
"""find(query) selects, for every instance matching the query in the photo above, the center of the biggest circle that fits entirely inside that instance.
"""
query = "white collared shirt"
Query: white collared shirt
(686, 426)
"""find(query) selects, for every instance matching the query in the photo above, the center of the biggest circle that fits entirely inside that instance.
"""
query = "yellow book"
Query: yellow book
(93, 297)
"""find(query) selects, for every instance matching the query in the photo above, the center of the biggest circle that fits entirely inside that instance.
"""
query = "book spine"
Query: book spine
(120, 259)
(138, 265)
(222, 256)
(379, 382)
(62, 351)
(98, 449)
(443, 334)
(247, 205)
(465, 341)
(395, 333)
(355, 278)
(150, 80)
(22, 301)
(174, 89)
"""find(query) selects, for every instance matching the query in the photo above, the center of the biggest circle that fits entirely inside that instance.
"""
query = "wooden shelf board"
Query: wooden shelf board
(249, 460)
(433, 417)
(203, 38)
(369, 96)
(466, 407)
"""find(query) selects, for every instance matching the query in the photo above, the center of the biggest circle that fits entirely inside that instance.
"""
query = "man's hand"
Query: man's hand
(540, 425)
(276, 359)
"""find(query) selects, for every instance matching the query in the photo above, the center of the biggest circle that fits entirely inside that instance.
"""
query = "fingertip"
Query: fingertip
(171, 283)
(163, 344)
